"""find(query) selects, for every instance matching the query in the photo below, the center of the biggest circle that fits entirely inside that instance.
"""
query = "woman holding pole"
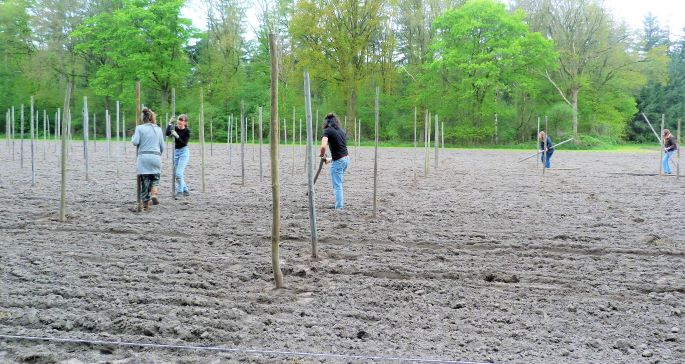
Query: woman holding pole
(334, 137)
(181, 135)
(546, 148)
(670, 147)
(150, 142)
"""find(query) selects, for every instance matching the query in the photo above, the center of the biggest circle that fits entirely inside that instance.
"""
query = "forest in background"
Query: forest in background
(469, 62)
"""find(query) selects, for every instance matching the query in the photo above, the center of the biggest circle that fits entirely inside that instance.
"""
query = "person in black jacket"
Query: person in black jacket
(181, 135)
(546, 148)
(334, 138)
(670, 147)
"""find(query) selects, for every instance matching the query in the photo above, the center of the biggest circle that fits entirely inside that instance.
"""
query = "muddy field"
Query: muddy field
(485, 259)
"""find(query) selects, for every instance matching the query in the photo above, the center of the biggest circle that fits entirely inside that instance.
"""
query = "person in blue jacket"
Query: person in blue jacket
(546, 148)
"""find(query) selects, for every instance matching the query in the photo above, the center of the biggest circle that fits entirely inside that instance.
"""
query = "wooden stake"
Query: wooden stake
(414, 143)
(663, 145)
(117, 150)
(33, 143)
(173, 143)
(253, 143)
(375, 159)
(537, 141)
(426, 132)
(242, 142)
(63, 183)
(275, 184)
(293, 144)
(230, 139)
(46, 131)
(310, 166)
(202, 138)
(95, 133)
(260, 144)
(211, 136)
(442, 135)
(544, 145)
(21, 134)
(677, 167)
(138, 179)
(108, 133)
(85, 135)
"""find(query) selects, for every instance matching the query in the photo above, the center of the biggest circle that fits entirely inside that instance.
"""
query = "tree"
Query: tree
(334, 39)
(481, 52)
(142, 39)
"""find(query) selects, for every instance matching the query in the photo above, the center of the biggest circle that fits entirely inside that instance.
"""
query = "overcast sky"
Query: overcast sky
(669, 13)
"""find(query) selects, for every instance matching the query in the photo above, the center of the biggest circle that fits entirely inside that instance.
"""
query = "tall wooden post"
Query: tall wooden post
(310, 166)
(260, 144)
(138, 180)
(21, 134)
(275, 184)
(12, 131)
(663, 145)
(173, 143)
(442, 135)
(677, 167)
(426, 133)
(414, 143)
(85, 135)
(293, 144)
(46, 131)
(117, 150)
(253, 141)
(230, 139)
(202, 138)
(242, 142)
(496, 133)
(63, 183)
(544, 147)
(375, 159)
(537, 141)
(33, 144)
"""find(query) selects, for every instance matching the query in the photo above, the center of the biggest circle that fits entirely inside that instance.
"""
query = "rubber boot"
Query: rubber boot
(153, 195)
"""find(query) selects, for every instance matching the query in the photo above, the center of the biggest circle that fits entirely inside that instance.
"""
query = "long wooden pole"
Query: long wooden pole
(138, 179)
(293, 144)
(661, 153)
(537, 141)
(63, 183)
(33, 145)
(85, 135)
(230, 138)
(21, 133)
(242, 142)
(211, 136)
(275, 184)
(46, 131)
(677, 167)
(442, 135)
(544, 146)
(173, 143)
(375, 159)
(260, 144)
(95, 133)
(310, 166)
(414, 162)
(253, 141)
(426, 133)
(202, 138)
(117, 149)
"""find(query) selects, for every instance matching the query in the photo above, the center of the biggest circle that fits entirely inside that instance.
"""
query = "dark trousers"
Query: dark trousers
(147, 181)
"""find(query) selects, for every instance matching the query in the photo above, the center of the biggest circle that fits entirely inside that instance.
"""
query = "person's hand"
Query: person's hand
(175, 134)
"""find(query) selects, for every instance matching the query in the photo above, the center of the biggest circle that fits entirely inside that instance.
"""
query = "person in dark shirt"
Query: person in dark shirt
(546, 148)
(334, 138)
(181, 135)
(670, 147)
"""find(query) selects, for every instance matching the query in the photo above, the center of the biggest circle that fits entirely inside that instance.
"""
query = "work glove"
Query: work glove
(175, 134)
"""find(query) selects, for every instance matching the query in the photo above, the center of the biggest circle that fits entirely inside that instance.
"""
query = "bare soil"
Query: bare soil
(484, 259)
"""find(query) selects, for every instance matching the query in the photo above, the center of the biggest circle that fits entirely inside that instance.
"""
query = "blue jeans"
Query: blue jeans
(181, 157)
(545, 159)
(338, 168)
(664, 162)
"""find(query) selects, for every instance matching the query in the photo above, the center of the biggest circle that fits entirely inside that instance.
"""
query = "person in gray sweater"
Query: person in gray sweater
(150, 142)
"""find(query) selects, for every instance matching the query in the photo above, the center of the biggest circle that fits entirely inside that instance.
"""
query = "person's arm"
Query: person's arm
(168, 129)
(136, 137)
(322, 148)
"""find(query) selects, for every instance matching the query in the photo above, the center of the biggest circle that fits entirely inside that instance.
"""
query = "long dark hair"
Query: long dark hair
(331, 121)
